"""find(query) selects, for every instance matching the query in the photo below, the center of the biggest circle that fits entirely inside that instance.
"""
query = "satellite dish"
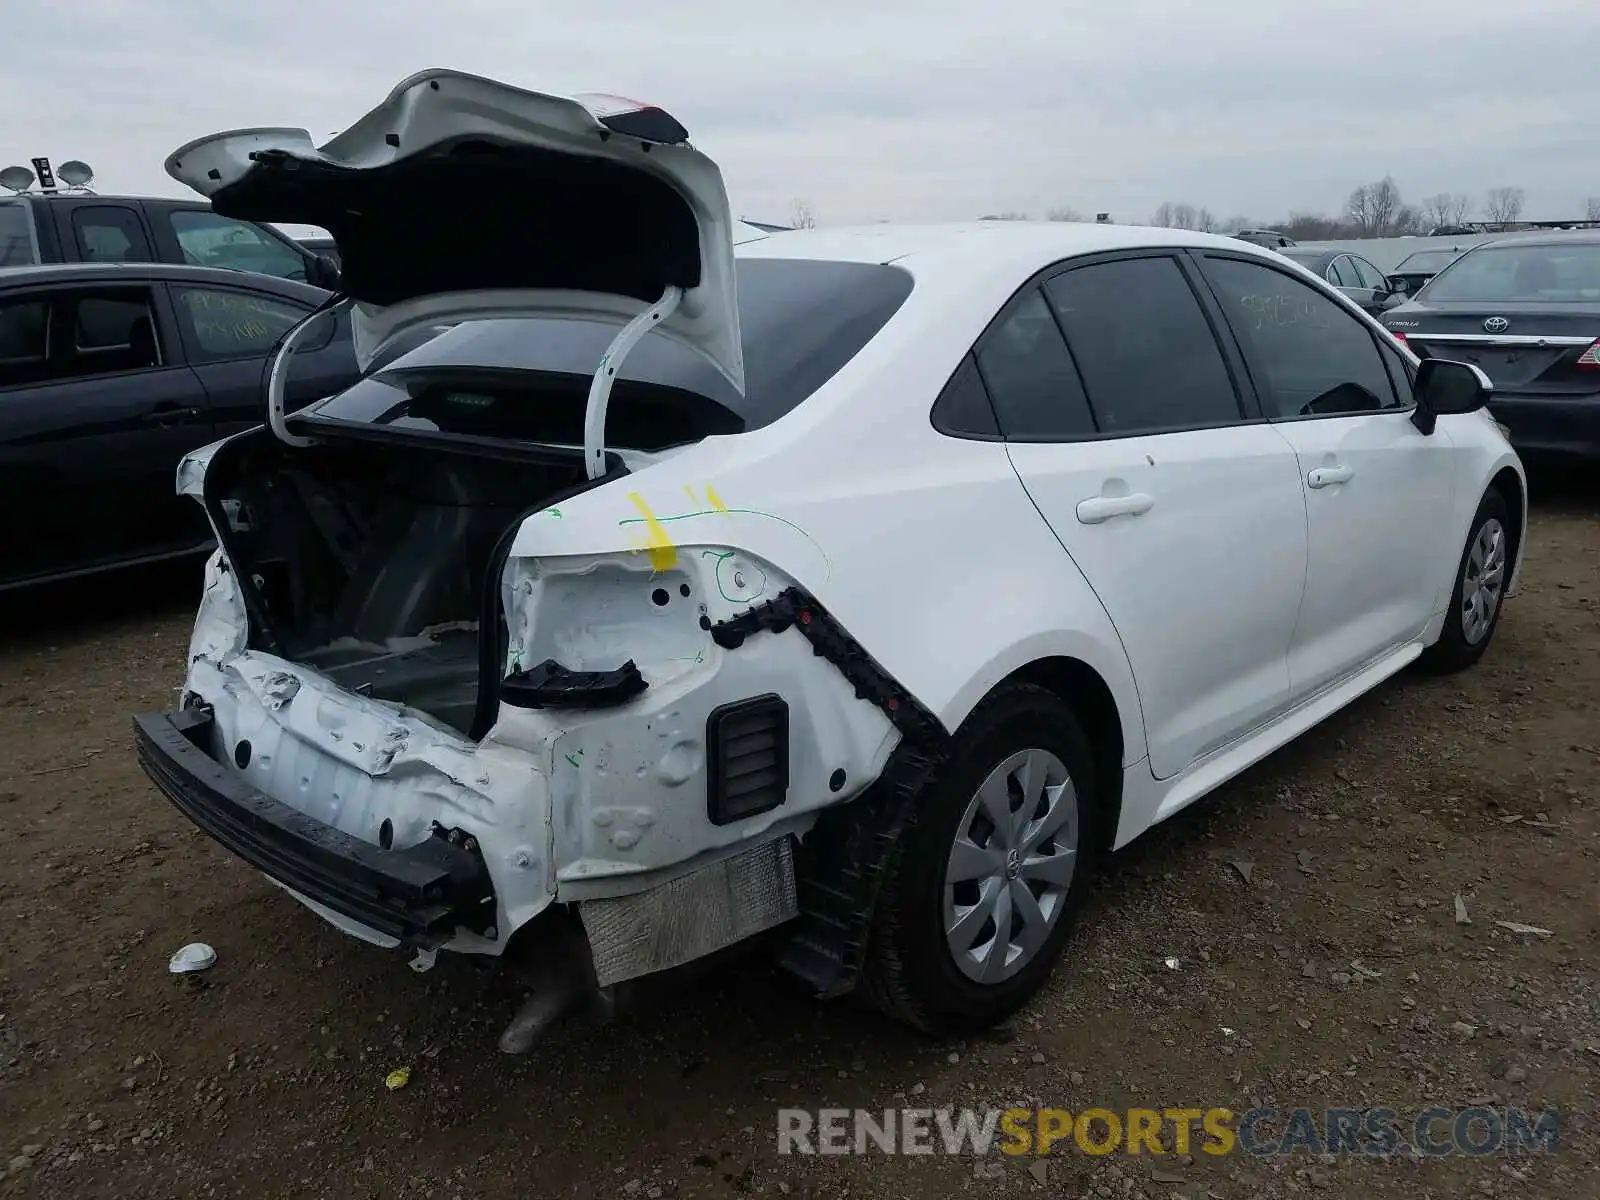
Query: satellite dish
(18, 179)
(75, 173)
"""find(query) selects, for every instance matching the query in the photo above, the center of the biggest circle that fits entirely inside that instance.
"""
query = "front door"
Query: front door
(1130, 436)
(1377, 491)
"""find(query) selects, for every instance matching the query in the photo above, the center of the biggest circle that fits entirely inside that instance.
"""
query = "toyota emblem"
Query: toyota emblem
(1496, 324)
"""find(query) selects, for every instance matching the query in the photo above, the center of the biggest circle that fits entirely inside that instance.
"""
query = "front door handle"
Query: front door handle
(1322, 477)
(1103, 508)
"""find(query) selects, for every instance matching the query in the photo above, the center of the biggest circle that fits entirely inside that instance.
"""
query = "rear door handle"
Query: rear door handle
(1103, 508)
(1321, 477)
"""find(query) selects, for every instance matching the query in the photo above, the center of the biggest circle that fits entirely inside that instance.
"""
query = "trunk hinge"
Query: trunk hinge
(280, 363)
(594, 413)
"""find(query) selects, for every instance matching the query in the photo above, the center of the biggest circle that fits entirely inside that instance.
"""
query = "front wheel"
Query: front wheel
(979, 897)
(1482, 577)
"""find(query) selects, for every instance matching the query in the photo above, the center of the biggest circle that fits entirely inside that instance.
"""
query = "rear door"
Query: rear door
(228, 333)
(1128, 423)
(91, 431)
(1377, 491)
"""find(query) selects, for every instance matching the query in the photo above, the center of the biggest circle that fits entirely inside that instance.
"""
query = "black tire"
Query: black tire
(910, 972)
(1454, 651)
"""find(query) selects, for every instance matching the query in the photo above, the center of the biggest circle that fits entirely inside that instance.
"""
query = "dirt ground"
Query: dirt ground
(265, 1076)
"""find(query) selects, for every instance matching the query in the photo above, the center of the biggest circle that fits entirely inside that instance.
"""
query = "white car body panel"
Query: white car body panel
(1198, 690)
(954, 564)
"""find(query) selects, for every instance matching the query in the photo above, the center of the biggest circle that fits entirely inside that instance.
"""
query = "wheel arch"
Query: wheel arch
(1509, 482)
(1080, 686)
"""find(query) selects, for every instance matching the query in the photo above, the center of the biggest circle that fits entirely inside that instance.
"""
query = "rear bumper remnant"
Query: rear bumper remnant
(420, 895)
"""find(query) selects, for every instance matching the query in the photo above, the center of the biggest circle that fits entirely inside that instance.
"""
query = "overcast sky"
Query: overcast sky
(887, 109)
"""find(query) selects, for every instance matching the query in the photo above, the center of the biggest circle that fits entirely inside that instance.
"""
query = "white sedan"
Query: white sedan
(648, 594)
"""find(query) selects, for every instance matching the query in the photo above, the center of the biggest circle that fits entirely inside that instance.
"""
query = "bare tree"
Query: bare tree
(1445, 209)
(1408, 220)
(1065, 214)
(1311, 227)
(1182, 216)
(801, 216)
(1005, 216)
(1373, 207)
(1503, 205)
(1591, 209)
(1234, 225)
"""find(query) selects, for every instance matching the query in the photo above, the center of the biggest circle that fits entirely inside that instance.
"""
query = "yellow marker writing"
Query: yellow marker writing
(663, 555)
(716, 500)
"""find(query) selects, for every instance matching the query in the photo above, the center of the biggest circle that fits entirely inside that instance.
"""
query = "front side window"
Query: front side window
(209, 240)
(228, 324)
(1369, 275)
(109, 233)
(1317, 358)
(1148, 357)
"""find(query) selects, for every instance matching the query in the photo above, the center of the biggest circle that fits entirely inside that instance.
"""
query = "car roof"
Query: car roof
(1030, 245)
(122, 272)
(111, 197)
(1575, 237)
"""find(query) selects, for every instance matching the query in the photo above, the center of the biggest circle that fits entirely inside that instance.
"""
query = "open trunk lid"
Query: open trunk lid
(461, 198)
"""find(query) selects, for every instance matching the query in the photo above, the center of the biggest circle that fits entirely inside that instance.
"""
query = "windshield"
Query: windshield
(1426, 260)
(16, 236)
(1542, 272)
(528, 378)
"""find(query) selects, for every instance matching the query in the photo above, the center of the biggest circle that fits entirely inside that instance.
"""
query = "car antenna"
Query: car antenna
(605, 375)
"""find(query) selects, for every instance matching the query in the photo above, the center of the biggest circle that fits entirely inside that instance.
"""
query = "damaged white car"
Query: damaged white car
(646, 594)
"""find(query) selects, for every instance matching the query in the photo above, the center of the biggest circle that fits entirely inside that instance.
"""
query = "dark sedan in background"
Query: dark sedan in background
(1527, 312)
(1350, 273)
(1414, 270)
(109, 374)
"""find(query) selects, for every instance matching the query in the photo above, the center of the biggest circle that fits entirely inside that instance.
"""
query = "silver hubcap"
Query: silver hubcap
(1483, 580)
(1010, 866)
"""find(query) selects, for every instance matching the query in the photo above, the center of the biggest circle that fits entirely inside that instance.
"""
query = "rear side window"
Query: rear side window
(16, 236)
(1318, 358)
(1149, 360)
(109, 233)
(1035, 388)
(801, 322)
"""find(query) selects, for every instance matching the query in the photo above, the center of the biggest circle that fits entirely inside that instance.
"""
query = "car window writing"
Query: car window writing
(1035, 388)
(1145, 349)
(208, 240)
(228, 324)
(1317, 357)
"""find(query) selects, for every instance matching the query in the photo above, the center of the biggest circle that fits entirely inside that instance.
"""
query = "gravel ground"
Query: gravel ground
(1310, 907)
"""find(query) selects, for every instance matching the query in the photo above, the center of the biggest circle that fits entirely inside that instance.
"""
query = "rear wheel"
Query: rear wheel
(980, 895)
(1482, 576)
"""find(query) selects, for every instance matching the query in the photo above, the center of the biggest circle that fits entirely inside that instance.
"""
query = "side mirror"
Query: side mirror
(321, 272)
(1444, 388)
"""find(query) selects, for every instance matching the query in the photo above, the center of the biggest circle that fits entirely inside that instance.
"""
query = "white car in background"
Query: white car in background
(868, 583)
